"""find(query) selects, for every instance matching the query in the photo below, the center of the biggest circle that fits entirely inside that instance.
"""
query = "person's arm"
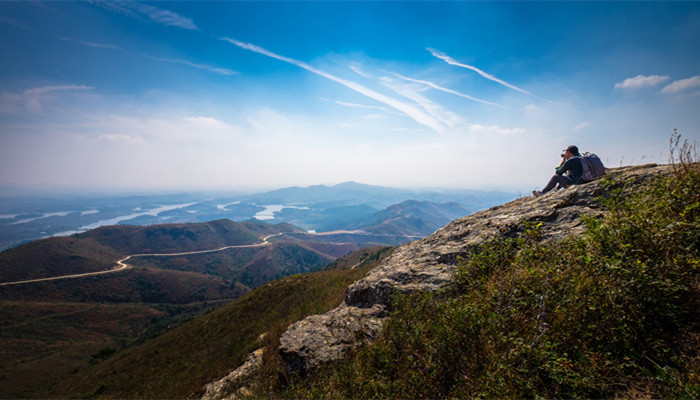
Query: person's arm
(563, 167)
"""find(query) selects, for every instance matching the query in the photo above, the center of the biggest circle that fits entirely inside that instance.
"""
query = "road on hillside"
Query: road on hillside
(122, 265)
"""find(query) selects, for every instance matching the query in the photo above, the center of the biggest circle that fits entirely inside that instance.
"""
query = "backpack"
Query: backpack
(593, 167)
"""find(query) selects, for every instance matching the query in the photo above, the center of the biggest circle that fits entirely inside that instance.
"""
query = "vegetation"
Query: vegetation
(610, 314)
(178, 363)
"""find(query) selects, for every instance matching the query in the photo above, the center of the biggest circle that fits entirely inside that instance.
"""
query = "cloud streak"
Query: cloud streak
(365, 106)
(641, 81)
(413, 112)
(446, 90)
(444, 57)
(155, 14)
(220, 71)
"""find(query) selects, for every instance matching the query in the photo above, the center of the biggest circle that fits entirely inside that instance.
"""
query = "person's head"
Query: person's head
(570, 151)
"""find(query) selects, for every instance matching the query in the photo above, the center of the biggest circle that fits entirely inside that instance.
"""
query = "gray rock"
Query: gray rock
(231, 386)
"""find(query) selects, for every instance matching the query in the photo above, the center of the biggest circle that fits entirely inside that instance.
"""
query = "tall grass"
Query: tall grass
(610, 314)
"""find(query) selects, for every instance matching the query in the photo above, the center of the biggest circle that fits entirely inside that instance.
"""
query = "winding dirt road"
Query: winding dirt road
(122, 265)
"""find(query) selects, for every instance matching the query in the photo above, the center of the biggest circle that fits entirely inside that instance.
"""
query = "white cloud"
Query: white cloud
(641, 81)
(488, 76)
(683, 84)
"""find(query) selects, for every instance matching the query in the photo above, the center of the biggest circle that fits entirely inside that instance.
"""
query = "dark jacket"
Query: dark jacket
(574, 165)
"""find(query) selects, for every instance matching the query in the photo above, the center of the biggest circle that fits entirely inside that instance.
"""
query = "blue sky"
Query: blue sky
(251, 95)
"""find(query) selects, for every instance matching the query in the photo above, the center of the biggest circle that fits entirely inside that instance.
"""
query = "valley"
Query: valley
(68, 302)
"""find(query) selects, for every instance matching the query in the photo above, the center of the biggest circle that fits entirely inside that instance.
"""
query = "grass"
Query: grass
(610, 314)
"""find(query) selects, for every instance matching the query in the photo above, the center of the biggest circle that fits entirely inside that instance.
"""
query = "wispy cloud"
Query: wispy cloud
(32, 99)
(446, 90)
(682, 85)
(221, 71)
(90, 44)
(488, 76)
(155, 14)
(414, 93)
(413, 112)
(13, 22)
(366, 106)
(641, 81)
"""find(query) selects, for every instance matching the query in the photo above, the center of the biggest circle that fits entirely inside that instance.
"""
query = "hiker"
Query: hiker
(571, 163)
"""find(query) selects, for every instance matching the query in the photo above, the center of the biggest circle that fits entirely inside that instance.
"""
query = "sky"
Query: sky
(234, 95)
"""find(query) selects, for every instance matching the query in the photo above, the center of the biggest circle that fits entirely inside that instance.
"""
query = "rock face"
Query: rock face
(429, 264)
(227, 387)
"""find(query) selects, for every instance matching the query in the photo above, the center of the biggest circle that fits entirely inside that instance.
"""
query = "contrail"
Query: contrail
(488, 76)
(409, 110)
(446, 90)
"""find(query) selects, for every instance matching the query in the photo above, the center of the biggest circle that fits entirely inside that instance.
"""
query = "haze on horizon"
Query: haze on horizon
(256, 95)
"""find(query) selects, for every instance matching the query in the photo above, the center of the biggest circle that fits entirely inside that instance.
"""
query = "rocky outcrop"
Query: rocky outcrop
(429, 264)
(231, 386)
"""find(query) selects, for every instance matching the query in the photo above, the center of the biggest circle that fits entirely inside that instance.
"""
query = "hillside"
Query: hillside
(50, 328)
(588, 292)
(178, 363)
(413, 218)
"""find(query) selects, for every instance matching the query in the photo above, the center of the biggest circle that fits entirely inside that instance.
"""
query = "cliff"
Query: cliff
(430, 264)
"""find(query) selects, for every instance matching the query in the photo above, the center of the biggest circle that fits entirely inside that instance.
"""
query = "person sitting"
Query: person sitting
(571, 163)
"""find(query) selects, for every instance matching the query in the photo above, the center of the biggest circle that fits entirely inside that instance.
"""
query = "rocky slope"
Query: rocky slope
(430, 263)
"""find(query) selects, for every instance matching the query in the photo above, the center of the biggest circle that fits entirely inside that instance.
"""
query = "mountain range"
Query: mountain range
(318, 208)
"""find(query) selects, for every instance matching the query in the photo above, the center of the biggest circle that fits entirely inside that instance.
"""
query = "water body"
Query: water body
(222, 207)
(45, 215)
(269, 212)
(114, 221)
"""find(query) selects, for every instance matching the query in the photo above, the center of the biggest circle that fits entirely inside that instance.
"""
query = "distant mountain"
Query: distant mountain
(411, 217)
(320, 208)
(377, 197)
